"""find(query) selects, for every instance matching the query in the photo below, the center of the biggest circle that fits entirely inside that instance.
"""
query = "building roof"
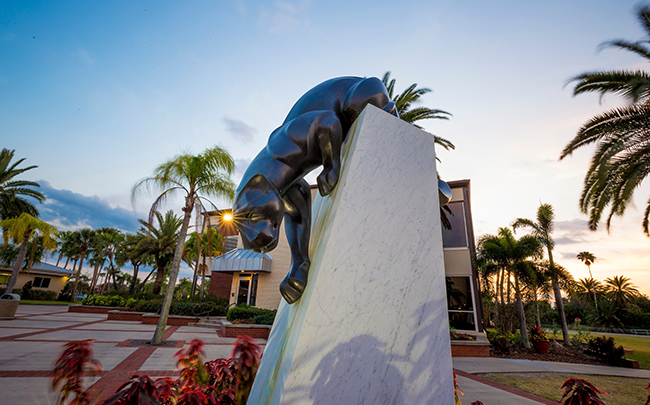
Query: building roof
(242, 260)
(45, 269)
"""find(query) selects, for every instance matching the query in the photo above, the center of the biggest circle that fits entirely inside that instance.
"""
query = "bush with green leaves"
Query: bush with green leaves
(42, 295)
(605, 349)
(105, 301)
(246, 312)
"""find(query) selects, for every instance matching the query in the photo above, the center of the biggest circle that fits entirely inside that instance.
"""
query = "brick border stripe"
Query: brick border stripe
(505, 388)
(28, 334)
(38, 373)
(110, 382)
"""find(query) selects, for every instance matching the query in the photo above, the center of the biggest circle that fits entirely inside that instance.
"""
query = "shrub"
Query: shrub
(105, 301)
(606, 350)
(501, 345)
(260, 316)
(27, 291)
(146, 305)
(42, 295)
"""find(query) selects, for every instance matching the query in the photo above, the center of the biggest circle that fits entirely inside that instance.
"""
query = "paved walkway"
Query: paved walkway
(489, 392)
(31, 343)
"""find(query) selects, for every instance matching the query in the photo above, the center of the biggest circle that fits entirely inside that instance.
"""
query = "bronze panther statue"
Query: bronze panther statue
(273, 187)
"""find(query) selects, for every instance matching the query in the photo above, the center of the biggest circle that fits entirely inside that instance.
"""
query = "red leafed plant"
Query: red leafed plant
(219, 382)
(190, 362)
(73, 364)
(139, 390)
(581, 392)
(245, 361)
(648, 401)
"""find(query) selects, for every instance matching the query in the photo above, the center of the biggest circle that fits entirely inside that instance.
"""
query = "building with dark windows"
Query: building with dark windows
(463, 294)
(253, 278)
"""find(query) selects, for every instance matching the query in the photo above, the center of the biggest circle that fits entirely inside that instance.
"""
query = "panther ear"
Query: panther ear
(259, 183)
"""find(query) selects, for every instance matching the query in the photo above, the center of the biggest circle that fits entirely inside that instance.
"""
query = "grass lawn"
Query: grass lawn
(620, 390)
(49, 302)
(640, 345)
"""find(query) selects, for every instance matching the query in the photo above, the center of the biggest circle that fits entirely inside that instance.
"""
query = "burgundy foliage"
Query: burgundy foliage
(217, 382)
(73, 364)
(581, 392)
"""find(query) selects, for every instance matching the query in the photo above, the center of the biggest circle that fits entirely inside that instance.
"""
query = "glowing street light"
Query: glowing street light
(227, 217)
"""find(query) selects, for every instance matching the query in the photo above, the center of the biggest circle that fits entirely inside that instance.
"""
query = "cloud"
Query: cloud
(286, 16)
(572, 225)
(85, 57)
(240, 130)
(70, 211)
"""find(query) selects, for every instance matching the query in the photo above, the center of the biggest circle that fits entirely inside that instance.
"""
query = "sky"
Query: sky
(97, 94)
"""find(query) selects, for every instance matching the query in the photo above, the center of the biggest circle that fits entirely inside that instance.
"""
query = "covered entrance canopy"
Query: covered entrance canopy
(238, 260)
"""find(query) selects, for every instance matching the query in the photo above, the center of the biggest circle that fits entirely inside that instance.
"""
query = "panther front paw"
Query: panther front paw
(294, 283)
(327, 180)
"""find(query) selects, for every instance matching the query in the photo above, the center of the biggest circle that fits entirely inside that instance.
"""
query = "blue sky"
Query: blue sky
(99, 93)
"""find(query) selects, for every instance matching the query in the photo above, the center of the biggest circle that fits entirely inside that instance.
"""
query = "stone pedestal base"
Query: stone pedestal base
(372, 326)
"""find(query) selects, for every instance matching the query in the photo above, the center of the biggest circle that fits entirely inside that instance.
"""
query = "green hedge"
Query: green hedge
(106, 301)
(178, 307)
(36, 295)
(245, 312)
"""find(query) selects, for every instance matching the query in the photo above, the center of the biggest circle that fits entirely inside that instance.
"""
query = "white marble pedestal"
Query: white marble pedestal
(372, 326)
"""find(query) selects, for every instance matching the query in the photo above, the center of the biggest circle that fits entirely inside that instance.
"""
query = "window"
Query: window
(457, 235)
(42, 282)
(4, 278)
(460, 303)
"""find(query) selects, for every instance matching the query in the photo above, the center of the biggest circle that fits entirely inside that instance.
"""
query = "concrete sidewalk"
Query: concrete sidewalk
(31, 343)
(478, 388)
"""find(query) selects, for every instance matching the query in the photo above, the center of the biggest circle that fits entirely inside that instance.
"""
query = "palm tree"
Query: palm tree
(588, 258)
(12, 192)
(20, 229)
(209, 245)
(621, 290)
(85, 239)
(622, 159)
(160, 243)
(404, 103)
(586, 289)
(195, 175)
(542, 230)
(132, 251)
(511, 254)
(109, 239)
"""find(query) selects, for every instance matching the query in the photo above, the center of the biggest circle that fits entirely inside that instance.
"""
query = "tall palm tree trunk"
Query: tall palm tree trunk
(22, 253)
(178, 254)
(160, 277)
(76, 281)
(144, 282)
(59, 260)
(593, 289)
(134, 280)
(523, 328)
(195, 279)
(67, 260)
(558, 300)
(94, 279)
(33, 254)
(538, 321)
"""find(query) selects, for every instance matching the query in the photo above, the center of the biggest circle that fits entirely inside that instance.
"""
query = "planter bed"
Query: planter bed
(90, 309)
(117, 315)
(174, 320)
(471, 348)
(238, 329)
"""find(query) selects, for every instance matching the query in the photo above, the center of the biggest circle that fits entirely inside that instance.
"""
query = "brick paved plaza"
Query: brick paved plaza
(31, 343)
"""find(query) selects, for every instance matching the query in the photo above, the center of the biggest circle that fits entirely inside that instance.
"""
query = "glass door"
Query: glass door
(243, 290)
